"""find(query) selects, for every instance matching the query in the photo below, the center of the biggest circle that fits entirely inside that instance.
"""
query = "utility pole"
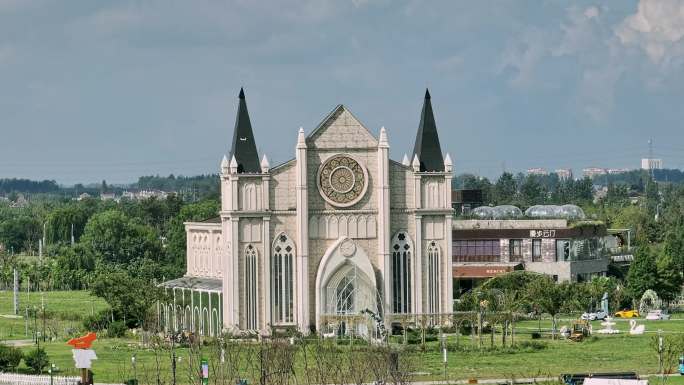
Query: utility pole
(660, 356)
(650, 158)
(16, 291)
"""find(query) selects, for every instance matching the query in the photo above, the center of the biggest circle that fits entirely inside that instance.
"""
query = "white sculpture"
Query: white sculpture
(608, 327)
(649, 301)
(635, 329)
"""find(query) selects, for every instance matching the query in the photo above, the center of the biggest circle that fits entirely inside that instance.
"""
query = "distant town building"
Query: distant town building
(144, 194)
(591, 172)
(651, 163)
(537, 171)
(617, 170)
(21, 202)
(83, 196)
(564, 173)
(108, 196)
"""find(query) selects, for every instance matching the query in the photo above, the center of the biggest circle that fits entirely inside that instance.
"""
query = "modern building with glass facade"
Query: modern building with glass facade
(565, 250)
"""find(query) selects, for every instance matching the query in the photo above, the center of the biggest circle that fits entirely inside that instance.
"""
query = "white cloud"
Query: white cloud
(450, 63)
(523, 54)
(591, 12)
(657, 28)
(596, 94)
(580, 32)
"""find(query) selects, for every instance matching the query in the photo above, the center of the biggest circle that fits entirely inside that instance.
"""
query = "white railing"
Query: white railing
(23, 379)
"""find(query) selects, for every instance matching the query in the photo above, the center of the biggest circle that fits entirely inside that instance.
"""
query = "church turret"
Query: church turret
(243, 148)
(427, 147)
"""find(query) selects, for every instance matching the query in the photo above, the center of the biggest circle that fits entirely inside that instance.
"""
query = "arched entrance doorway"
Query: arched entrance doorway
(346, 290)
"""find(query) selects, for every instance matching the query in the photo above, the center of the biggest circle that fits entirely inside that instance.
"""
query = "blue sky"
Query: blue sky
(92, 90)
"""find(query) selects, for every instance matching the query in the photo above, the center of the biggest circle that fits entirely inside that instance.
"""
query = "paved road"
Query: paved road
(18, 342)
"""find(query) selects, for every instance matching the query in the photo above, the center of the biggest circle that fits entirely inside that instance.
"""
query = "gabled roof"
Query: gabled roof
(343, 123)
(244, 147)
(427, 146)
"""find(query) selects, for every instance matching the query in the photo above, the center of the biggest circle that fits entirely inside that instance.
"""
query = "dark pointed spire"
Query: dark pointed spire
(244, 147)
(427, 146)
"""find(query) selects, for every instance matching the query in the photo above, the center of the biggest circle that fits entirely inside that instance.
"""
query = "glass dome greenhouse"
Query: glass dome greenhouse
(553, 211)
(497, 212)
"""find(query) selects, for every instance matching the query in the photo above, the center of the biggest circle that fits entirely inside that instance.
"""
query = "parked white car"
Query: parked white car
(655, 315)
(593, 316)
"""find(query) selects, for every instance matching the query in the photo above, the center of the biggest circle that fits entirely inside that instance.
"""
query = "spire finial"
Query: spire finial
(448, 164)
(427, 93)
(301, 138)
(264, 164)
(225, 165)
(383, 138)
(242, 93)
(405, 161)
(233, 165)
(416, 163)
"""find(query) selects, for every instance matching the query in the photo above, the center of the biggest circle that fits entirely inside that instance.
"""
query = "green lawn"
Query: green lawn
(65, 309)
(621, 352)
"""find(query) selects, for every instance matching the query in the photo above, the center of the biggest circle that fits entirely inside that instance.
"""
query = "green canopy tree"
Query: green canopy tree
(642, 274)
(669, 284)
(130, 297)
(111, 237)
(505, 189)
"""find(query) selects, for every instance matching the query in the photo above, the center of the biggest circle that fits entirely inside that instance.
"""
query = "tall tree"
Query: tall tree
(532, 192)
(643, 273)
(669, 278)
(505, 189)
(114, 238)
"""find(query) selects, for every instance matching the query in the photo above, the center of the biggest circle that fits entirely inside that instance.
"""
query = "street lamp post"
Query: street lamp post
(443, 339)
(135, 374)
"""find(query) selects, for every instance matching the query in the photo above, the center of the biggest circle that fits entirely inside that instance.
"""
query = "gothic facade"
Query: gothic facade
(339, 230)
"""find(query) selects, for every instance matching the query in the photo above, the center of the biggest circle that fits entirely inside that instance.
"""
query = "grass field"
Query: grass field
(621, 352)
(65, 309)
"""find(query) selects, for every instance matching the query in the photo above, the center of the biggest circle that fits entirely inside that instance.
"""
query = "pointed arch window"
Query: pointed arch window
(344, 297)
(251, 297)
(282, 288)
(402, 250)
(433, 279)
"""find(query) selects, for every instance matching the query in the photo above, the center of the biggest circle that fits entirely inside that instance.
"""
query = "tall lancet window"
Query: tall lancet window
(402, 250)
(251, 298)
(282, 293)
(433, 259)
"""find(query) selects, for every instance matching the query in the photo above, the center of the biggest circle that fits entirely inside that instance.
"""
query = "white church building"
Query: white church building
(341, 230)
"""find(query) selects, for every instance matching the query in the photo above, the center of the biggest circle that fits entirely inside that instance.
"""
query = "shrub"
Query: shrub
(536, 335)
(97, 322)
(10, 357)
(532, 345)
(37, 359)
(116, 329)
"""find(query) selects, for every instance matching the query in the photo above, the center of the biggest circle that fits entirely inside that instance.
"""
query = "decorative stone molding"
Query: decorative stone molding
(338, 225)
(342, 180)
